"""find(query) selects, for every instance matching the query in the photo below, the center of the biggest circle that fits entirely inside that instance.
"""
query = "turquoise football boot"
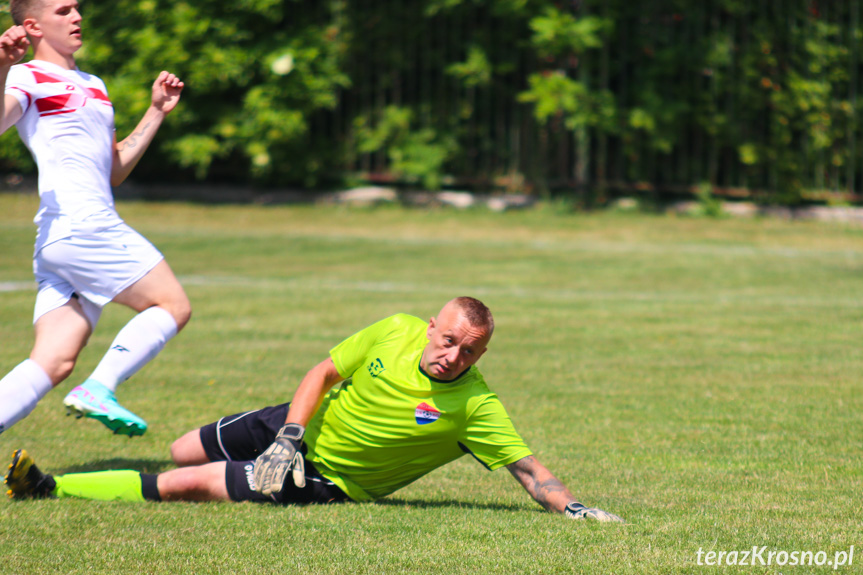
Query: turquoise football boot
(96, 401)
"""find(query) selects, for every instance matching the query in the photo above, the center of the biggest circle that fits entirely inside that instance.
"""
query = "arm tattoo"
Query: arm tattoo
(540, 483)
(542, 489)
(132, 140)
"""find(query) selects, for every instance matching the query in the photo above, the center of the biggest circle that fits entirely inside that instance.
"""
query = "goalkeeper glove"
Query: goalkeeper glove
(576, 510)
(272, 466)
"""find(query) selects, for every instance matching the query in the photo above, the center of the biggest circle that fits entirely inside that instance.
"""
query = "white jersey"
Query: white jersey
(68, 125)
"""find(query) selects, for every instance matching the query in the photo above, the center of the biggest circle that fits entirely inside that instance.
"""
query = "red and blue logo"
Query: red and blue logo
(425, 413)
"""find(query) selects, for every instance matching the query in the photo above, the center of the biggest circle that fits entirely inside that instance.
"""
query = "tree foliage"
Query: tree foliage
(673, 94)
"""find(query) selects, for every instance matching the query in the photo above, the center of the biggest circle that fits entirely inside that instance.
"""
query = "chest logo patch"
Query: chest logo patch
(425, 413)
(376, 367)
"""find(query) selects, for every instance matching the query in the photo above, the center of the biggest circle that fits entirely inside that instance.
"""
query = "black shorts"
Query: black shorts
(240, 438)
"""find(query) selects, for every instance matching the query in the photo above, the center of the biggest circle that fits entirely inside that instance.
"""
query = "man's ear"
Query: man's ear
(430, 328)
(32, 28)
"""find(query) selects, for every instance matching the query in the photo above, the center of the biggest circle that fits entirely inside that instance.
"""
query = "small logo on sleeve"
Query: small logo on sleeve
(425, 413)
(376, 367)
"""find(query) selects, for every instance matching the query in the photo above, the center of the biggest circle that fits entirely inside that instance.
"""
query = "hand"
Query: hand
(272, 466)
(576, 510)
(13, 46)
(166, 92)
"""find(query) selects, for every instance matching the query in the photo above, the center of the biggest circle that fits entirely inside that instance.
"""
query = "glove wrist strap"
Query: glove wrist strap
(292, 431)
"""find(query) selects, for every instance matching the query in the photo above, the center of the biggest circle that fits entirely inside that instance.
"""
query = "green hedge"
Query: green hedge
(753, 98)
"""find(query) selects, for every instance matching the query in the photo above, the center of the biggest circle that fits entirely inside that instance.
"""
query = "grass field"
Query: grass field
(701, 378)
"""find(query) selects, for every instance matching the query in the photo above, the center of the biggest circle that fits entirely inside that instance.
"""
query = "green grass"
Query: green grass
(701, 378)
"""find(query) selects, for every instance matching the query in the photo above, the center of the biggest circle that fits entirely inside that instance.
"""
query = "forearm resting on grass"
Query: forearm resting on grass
(541, 484)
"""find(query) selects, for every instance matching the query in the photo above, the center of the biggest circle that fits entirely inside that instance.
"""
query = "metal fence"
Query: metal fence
(709, 109)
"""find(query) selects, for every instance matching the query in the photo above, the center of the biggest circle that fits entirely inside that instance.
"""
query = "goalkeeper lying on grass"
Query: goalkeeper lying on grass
(410, 399)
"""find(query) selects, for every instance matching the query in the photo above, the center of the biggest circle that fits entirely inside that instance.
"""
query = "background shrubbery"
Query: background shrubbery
(590, 97)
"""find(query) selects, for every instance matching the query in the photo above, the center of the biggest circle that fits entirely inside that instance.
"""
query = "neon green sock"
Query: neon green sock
(122, 485)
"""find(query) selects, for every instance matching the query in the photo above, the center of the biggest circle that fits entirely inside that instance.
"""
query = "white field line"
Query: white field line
(17, 286)
(534, 293)
(550, 244)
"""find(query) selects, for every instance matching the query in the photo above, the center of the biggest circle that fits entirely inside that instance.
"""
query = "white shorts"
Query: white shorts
(94, 266)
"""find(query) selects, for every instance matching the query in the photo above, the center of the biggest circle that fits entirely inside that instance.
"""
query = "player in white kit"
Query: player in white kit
(85, 255)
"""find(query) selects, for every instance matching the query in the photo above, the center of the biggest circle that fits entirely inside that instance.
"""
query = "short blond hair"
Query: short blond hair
(23, 9)
(475, 312)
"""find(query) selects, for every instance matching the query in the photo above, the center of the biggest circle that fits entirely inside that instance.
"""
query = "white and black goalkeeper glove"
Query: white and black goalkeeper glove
(272, 466)
(576, 510)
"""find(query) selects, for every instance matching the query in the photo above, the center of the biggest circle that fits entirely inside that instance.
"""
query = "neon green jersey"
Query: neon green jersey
(390, 423)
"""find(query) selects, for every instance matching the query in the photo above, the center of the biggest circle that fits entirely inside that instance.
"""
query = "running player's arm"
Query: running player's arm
(309, 395)
(541, 484)
(13, 46)
(127, 153)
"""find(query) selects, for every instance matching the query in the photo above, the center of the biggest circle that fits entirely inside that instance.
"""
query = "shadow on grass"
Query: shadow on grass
(431, 504)
(142, 465)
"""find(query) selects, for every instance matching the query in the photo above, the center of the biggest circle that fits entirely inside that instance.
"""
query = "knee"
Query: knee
(62, 371)
(188, 450)
(58, 369)
(177, 454)
(181, 310)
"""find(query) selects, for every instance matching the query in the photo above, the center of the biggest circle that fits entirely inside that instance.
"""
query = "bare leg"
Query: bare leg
(163, 310)
(61, 334)
(197, 483)
(188, 450)
(160, 288)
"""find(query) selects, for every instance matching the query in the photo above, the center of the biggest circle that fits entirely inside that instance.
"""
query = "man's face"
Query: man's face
(454, 344)
(58, 24)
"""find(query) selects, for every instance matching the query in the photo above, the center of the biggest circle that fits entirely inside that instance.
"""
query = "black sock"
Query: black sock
(149, 487)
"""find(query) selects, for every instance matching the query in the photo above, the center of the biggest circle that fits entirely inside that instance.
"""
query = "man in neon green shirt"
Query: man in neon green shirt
(410, 400)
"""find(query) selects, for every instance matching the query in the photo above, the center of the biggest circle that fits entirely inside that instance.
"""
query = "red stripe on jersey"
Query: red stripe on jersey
(55, 104)
(58, 112)
(29, 97)
(98, 95)
(44, 77)
(52, 103)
